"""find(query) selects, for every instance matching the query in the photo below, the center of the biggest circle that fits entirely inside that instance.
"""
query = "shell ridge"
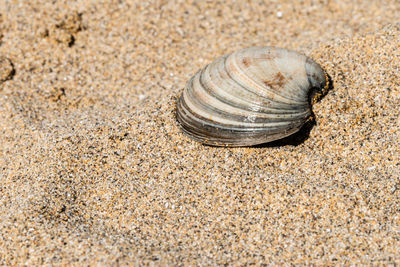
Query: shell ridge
(259, 105)
(234, 139)
(260, 87)
(247, 111)
(227, 123)
(290, 105)
(201, 122)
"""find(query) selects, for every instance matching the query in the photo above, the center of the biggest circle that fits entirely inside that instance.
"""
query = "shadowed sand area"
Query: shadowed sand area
(94, 169)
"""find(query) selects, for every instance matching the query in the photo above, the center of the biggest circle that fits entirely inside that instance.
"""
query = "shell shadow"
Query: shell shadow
(303, 134)
(295, 139)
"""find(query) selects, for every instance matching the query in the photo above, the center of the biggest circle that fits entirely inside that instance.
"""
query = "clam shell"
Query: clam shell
(252, 96)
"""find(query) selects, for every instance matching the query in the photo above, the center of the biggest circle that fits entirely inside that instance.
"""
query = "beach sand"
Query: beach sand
(95, 171)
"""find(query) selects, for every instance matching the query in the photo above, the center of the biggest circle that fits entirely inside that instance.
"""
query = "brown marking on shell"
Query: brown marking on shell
(269, 56)
(246, 62)
(278, 81)
(264, 57)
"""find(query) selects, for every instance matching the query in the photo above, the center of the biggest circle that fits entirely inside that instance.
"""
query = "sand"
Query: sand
(95, 171)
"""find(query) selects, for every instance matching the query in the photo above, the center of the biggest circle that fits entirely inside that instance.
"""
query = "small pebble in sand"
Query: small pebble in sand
(6, 69)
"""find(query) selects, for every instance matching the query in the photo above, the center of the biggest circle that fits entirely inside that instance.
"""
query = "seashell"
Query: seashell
(252, 96)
